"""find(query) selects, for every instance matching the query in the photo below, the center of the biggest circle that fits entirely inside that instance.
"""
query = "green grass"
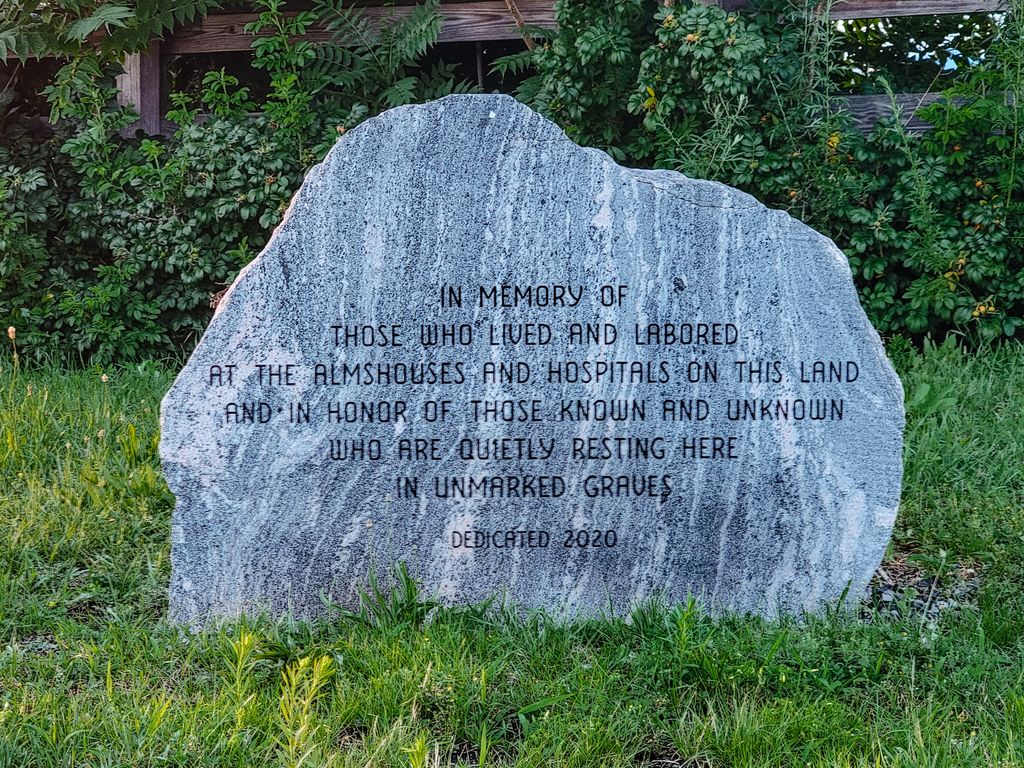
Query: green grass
(91, 675)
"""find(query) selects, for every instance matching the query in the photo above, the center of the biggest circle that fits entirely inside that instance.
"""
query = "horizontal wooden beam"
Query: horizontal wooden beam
(865, 110)
(868, 110)
(461, 22)
(492, 20)
(872, 9)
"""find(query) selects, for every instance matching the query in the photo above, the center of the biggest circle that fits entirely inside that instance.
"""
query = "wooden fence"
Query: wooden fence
(480, 20)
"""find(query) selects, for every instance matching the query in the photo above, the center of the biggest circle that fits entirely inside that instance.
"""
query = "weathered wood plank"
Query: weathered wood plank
(870, 9)
(865, 110)
(491, 20)
(462, 22)
(868, 110)
(140, 88)
(482, 20)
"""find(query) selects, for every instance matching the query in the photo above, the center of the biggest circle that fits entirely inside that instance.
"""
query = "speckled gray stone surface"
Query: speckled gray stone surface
(757, 492)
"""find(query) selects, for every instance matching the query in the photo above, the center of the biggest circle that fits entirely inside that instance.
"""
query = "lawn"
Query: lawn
(930, 674)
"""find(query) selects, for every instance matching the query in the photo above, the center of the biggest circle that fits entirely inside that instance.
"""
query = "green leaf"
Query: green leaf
(105, 16)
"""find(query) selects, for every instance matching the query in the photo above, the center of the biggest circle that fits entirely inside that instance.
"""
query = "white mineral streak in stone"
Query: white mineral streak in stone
(480, 191)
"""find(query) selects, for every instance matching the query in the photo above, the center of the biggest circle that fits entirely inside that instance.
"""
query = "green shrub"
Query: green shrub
(584, 76)
(152, 229)
(27, 213)
(116, 248)
(749, 99)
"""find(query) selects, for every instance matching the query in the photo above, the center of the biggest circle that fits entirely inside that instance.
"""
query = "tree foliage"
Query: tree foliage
(36, 28)
(118, 248)
(930, 223)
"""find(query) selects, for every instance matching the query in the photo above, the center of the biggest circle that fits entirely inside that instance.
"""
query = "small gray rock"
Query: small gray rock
(522, 369)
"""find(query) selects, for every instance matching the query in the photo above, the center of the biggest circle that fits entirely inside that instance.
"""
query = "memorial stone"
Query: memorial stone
(523, 370)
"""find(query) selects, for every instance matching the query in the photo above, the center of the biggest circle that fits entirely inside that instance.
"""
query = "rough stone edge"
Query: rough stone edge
(664, 180)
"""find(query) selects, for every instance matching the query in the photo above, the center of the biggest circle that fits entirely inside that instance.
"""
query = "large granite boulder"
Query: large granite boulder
(522, 369)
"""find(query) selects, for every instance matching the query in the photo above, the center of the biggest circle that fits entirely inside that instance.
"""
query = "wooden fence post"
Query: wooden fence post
(140, 88)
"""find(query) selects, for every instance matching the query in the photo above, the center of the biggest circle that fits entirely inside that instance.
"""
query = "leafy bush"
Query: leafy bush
(584, 76)
(71, 27)
(27, 210)
(749, 99)
(114, 248)
(155, 228)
